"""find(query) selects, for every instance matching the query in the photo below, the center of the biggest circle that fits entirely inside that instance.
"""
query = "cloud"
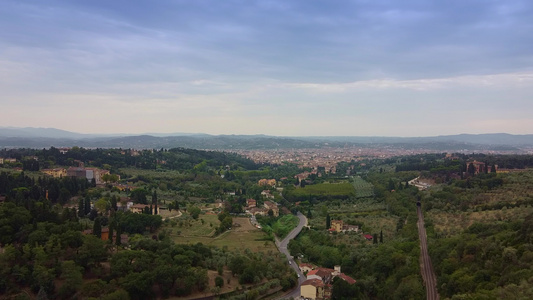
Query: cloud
(481, 81)
(350, 64)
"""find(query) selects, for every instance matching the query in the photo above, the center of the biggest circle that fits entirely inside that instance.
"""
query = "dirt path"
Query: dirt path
(425, 261)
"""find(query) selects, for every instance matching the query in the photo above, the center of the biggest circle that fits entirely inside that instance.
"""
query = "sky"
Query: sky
(276, 67)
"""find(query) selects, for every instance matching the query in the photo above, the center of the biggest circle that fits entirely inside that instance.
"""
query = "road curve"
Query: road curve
(426, 268)
(282, 246)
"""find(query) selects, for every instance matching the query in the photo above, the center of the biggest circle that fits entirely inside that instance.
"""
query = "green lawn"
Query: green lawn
(239, 238)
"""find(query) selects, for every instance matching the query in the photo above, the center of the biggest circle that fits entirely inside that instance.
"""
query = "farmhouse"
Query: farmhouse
(318, 284)
(312, 289)
(56, 173)
(138, 208)
(272, 206)
(251, 203)
(267, 194)
(339, 226)
(267, 182)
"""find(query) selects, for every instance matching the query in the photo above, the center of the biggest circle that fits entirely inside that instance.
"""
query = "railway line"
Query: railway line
(428, 274)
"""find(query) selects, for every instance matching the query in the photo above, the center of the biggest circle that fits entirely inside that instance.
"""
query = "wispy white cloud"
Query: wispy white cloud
(480, 81)
(280, 67)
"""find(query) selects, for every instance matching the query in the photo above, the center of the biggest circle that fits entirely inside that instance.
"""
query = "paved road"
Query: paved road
(427, 269)
(282, 246)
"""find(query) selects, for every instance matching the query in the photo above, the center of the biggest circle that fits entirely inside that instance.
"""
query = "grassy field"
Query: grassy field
(187, 227)
(362, 188)
(151, 173)
(242, 236)
(360, 207)
(452, 223)
(334, 190)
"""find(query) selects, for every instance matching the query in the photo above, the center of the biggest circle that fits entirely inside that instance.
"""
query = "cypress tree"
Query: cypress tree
(471, 169)
(81, 208)
(111, 229)
(118, 241)
(328, 221)
(87, 205)
(381, 236)
(97, 227)
(154, 201)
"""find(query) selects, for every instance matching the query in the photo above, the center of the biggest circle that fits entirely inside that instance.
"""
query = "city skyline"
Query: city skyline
(298, 68)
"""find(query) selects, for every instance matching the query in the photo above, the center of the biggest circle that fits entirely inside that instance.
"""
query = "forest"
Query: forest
(63, 238)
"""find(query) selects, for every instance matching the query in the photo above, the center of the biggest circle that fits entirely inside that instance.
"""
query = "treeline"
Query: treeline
(487, 261)
(171, 159)
(381, 270)
(436, 163)
(25, 190)
(320, 192)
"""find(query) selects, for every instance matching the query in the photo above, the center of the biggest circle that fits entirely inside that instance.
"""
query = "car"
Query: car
(290, 262)
(298, 275)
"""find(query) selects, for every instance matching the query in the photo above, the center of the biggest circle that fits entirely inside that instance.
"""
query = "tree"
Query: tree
(111, 231)
(392, 186)
(237, 265)
(102, 205)
(87, 205)
(493, 169)
(73, 277)
(93, 214)
(219, 281)
(471, 169)
(92, 252)
(97, 228)
(138, 284)
(343, 290)
(375, 238)
(114, 202)
(328, 221)
(139, 195)
(194, 211)
(109, 178)
(81, 208)
(381, 236)
(64, 196)
(154, 201)
(118, 242)
(42, 294)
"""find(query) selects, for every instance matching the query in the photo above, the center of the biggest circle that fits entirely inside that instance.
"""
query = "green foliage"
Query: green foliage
(323, 191)
(72, 275)
(280, 226)
(219, 281)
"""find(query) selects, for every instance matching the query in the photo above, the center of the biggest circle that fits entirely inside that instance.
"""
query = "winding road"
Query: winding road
(282, 246)
(425, 261)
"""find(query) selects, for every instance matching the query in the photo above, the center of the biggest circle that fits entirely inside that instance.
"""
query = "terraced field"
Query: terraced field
(362, 188)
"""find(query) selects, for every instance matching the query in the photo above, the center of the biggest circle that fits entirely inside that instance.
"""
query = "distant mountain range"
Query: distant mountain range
(11, 137)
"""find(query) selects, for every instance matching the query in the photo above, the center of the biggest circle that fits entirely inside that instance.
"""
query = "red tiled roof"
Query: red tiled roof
(310, 266)
(347, 278)
(313, 282)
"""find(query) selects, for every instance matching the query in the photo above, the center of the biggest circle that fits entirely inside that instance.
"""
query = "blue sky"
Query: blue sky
(306, 67)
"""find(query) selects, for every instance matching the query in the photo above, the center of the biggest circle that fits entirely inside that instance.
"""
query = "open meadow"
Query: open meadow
(243, 234)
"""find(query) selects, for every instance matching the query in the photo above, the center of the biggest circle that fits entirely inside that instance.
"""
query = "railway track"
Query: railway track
(428, 274)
